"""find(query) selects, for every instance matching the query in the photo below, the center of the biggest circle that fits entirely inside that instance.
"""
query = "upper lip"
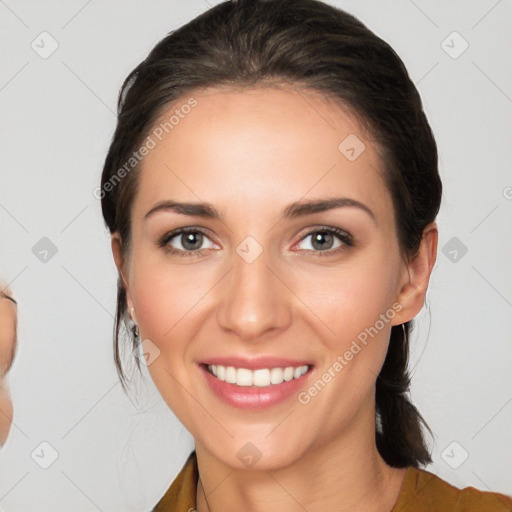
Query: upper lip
(256, 363)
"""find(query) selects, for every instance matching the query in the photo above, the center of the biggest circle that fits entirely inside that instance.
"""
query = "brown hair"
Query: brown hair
(310, 44)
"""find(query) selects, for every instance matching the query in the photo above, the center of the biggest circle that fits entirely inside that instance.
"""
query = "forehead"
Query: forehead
(259, 147)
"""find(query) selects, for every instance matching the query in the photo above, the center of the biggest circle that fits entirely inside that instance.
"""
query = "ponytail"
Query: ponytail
(399, 435)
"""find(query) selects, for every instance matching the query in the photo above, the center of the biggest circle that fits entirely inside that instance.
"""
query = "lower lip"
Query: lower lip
(252, 397)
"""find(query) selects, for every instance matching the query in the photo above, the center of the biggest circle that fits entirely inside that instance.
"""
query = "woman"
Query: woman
(271, 190)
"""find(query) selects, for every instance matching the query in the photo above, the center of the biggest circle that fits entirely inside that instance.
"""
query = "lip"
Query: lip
(257, 363)
(253, 397)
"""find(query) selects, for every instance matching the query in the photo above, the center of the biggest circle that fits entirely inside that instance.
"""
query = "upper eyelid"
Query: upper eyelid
(331, 229)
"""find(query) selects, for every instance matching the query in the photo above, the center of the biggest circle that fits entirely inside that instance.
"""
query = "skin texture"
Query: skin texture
(8, 320)
(250, 154)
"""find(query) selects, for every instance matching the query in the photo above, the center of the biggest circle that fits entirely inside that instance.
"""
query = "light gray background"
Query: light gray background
(57, 118)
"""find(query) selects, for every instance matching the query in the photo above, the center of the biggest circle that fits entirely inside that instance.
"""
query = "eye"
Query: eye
(323, 240)
(185, 241)
(189, 241)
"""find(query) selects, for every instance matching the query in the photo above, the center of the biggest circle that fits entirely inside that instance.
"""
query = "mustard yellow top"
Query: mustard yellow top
(421, 491)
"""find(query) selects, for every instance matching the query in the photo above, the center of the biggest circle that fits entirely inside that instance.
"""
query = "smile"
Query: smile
(262, 377)
(255, 383)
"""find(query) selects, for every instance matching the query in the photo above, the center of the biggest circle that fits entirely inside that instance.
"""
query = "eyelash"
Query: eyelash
(345, 237)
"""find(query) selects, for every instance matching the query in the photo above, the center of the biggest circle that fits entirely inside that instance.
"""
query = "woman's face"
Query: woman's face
(267, 283)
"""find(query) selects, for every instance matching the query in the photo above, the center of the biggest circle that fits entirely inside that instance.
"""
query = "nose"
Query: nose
(255, 301)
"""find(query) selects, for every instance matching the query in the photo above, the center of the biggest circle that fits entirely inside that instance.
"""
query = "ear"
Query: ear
(117, 252)
(415, 276)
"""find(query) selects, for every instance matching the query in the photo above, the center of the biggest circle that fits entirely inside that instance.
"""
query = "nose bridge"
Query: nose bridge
(253, 300)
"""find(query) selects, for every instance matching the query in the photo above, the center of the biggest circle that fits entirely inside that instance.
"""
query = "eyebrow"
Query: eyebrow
(293, 210)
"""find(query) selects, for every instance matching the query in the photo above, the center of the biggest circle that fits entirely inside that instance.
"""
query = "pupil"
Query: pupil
(320, 238)
(191, 241)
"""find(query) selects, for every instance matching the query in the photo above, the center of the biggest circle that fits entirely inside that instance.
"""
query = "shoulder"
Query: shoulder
(423, 491)
(181, 495)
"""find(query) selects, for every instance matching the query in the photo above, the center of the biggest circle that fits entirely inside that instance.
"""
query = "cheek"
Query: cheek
(164, 299)
(350, 298)
(167, 299)
(159, 305)
(355, 305)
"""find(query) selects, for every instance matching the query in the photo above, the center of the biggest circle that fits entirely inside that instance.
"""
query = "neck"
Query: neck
(345, 474)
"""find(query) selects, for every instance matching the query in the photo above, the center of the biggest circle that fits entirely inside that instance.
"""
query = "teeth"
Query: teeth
(243, 377)
(259, 378)
(288, 373)
(230, 375)
(276, 375)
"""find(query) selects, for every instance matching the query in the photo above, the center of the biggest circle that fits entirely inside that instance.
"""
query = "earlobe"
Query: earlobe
(417, 274)
(131, 311)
